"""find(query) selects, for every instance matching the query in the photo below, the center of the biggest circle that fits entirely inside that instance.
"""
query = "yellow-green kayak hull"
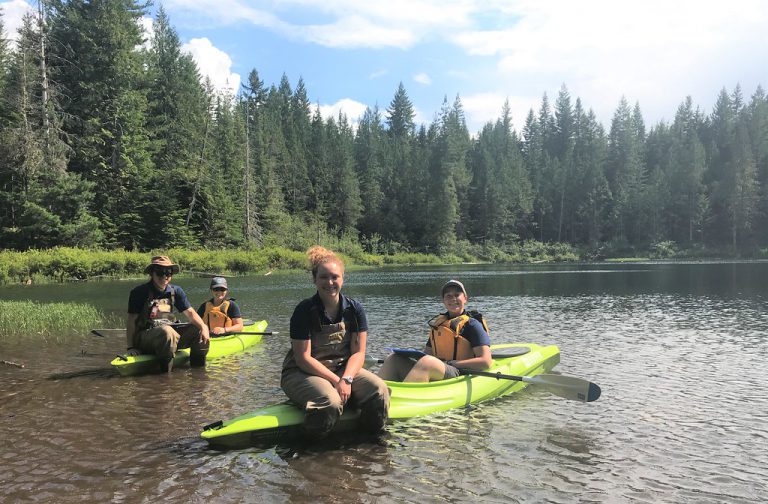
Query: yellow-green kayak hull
(220, 347)
(407, 400)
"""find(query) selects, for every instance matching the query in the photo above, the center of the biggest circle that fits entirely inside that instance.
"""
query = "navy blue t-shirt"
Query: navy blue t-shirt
(474, 332)
(140, 294)
(301, 320)
(232, 312)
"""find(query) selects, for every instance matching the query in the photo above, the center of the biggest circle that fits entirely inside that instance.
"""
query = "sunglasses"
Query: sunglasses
(167, 272)
(219, 289)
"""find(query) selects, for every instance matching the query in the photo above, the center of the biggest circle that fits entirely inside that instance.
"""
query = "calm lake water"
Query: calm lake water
(678, 349)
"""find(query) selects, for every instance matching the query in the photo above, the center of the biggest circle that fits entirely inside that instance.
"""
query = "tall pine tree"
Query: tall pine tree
(96, 61)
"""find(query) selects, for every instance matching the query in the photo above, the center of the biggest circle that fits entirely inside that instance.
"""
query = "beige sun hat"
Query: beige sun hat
(162, 262)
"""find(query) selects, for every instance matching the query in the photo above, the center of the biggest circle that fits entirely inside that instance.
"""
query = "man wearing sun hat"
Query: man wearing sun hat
(151, 306)
(458, 339)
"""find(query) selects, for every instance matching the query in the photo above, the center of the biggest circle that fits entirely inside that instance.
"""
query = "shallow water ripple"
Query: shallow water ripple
(679, 351)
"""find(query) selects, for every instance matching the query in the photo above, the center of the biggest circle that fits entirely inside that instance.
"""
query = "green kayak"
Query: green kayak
(406, 399)
(220, 346)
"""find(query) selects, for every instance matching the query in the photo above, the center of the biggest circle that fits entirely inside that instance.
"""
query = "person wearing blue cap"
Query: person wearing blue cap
(220, 314)
(458, 339)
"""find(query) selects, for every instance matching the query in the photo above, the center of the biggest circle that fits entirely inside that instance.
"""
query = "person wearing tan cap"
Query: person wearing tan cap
(151, 306)
(458, 339)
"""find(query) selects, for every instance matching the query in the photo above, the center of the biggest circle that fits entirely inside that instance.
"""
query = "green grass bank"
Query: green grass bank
(72, 264)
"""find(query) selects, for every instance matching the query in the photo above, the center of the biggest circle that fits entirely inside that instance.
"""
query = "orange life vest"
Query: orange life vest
(446, 339)
(216, 316)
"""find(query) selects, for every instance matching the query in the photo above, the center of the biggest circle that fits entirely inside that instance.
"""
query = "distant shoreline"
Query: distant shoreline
(63, 264)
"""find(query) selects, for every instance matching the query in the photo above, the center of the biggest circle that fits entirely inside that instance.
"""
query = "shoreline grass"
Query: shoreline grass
(49, 320)
(64, 264)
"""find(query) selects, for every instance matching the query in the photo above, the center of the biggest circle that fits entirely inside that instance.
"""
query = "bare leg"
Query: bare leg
(426, 369)
(395, 367)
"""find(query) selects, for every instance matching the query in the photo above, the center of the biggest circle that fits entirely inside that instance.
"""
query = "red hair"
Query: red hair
(318, 255)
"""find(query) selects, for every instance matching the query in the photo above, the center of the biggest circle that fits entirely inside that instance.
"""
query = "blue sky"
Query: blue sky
(352, 54)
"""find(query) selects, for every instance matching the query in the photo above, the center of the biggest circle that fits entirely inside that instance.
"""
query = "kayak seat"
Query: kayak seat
(502, 353)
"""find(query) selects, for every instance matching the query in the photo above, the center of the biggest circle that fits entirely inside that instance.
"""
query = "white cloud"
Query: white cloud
(378, 73)
(213, 63)
(351, 108)
(420, 118)
(356, 31)
(405, 12)
(353, 24)
(654, 52)
(13, 13)
(148, 30)
(481, 108)
(227, 12)
(422, 78)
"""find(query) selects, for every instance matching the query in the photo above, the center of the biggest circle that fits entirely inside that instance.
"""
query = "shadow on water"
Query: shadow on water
(90, 373)
(105, 372)
(298, 446)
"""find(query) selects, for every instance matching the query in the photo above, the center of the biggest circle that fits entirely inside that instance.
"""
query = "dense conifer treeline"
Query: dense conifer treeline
(110, 143)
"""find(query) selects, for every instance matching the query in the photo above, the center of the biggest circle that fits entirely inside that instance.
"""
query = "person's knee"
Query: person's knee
(163, 341)
(428, 368)
(429, 361)
(428, 364)
(321, 416)
(170, 335)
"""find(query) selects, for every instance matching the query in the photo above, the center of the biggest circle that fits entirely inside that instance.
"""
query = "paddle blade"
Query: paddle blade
(370, 361)
(567, 387)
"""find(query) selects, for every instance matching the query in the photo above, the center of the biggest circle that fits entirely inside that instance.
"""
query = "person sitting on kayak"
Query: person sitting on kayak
(323, 370)
(150, 315)
(220, 314)
(457, 339)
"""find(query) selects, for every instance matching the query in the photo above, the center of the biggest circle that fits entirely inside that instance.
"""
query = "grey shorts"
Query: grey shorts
(451, 372)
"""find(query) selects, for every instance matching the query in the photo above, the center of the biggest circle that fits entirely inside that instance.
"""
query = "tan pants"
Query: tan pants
(322, 405)
(163, 341)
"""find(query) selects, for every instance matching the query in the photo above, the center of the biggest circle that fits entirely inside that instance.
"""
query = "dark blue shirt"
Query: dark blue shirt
(232, 312)
(140, 294)
(474, 332)
(301, 320)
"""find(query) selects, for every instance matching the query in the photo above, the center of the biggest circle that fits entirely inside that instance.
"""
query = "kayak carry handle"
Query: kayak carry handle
(215, 425)
(122, 357)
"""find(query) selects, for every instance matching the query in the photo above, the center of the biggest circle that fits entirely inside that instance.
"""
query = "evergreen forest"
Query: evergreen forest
(112, 141)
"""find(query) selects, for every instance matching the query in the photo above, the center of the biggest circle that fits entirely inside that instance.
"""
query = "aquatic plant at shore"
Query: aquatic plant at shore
(20, 318)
